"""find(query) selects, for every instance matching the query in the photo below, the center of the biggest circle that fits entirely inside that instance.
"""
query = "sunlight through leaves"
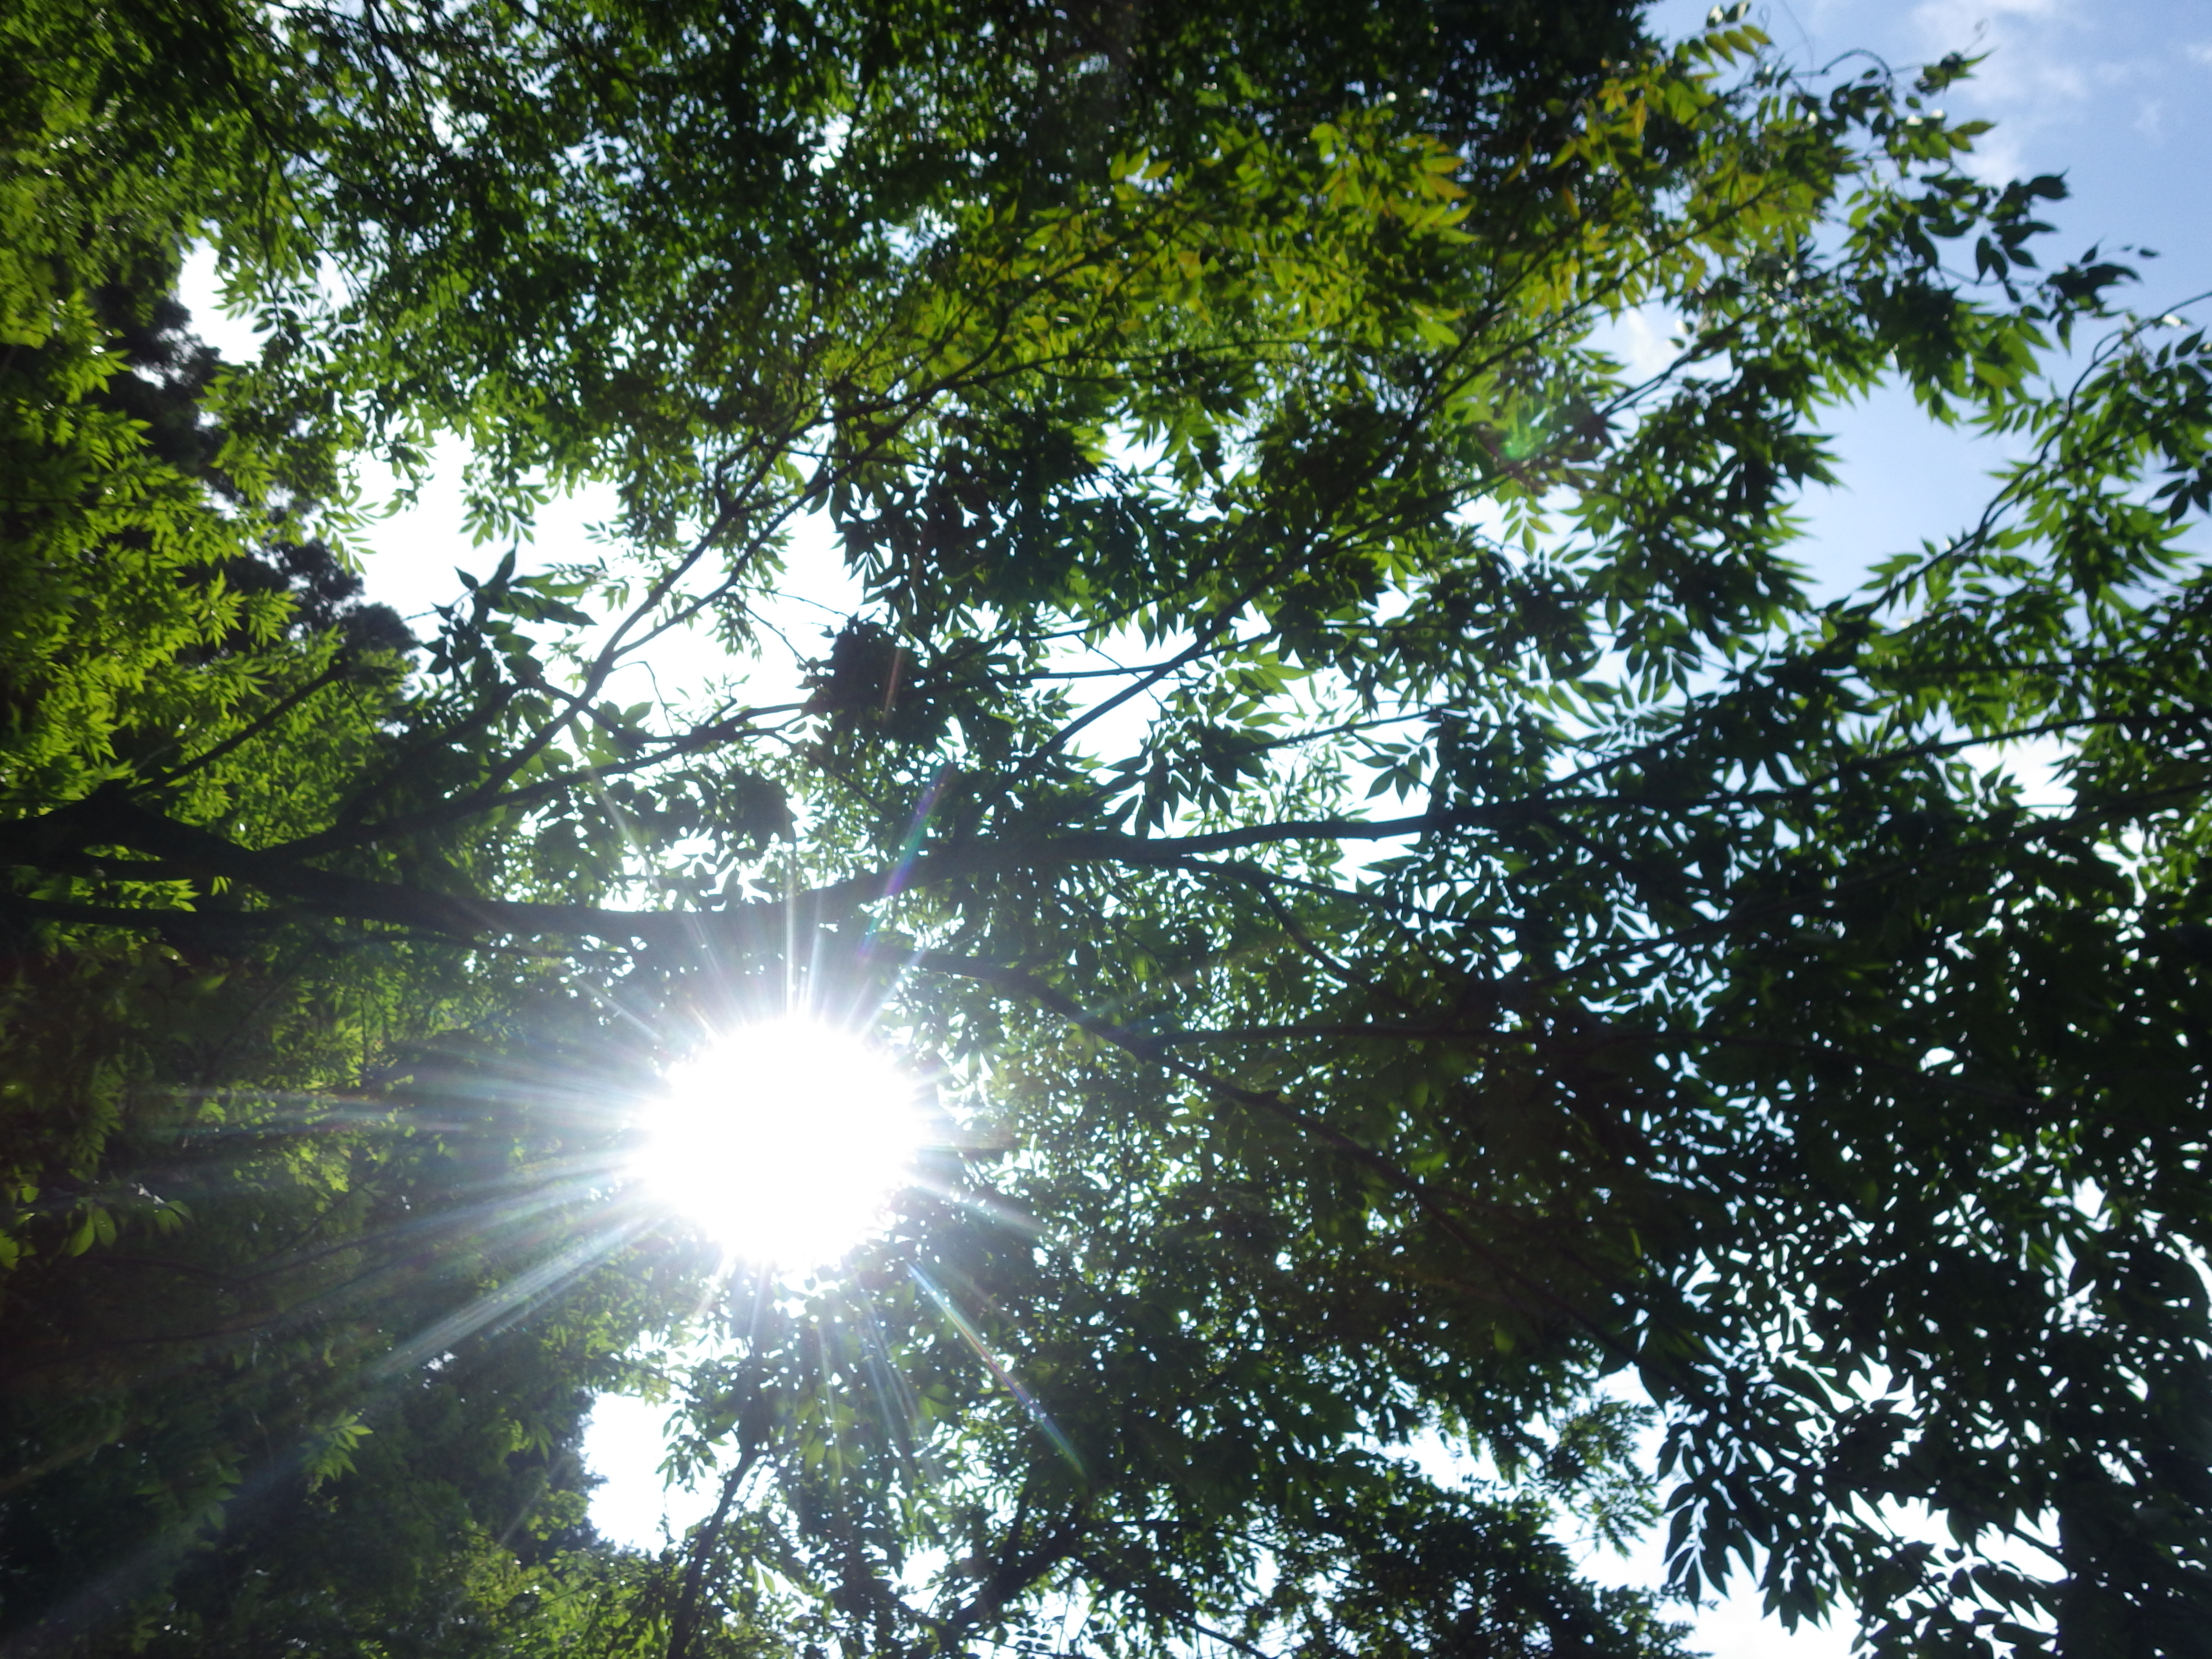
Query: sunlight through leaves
(783, 1140)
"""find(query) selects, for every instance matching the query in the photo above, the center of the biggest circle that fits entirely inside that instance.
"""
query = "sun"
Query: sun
(783, 1139)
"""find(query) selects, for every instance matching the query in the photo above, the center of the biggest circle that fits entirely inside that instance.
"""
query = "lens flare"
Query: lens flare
(784, 1140)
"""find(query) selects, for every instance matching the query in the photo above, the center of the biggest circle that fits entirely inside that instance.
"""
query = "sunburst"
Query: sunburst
(783, 1139)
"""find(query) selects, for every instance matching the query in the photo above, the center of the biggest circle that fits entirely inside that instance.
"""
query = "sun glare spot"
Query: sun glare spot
(783, 1140)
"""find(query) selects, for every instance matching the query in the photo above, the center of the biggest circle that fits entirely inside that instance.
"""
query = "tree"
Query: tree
(1702, 1004)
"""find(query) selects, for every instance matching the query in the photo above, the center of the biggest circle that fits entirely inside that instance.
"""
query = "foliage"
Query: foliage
(1504, 936)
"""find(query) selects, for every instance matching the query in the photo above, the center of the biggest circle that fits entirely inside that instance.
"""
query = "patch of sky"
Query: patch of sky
(2115, 98)
(636, 1505)
(1732, 1626)
(828, 143)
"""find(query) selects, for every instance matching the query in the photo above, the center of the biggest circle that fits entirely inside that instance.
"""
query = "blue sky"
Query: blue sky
(2117, 100)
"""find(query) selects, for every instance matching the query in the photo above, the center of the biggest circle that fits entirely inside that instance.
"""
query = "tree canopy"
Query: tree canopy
(1424, 923)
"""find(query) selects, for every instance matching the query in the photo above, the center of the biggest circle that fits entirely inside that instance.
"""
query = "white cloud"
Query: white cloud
(2045, 64)
(1645, 340)
(623, 1444)
(2030, 48)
